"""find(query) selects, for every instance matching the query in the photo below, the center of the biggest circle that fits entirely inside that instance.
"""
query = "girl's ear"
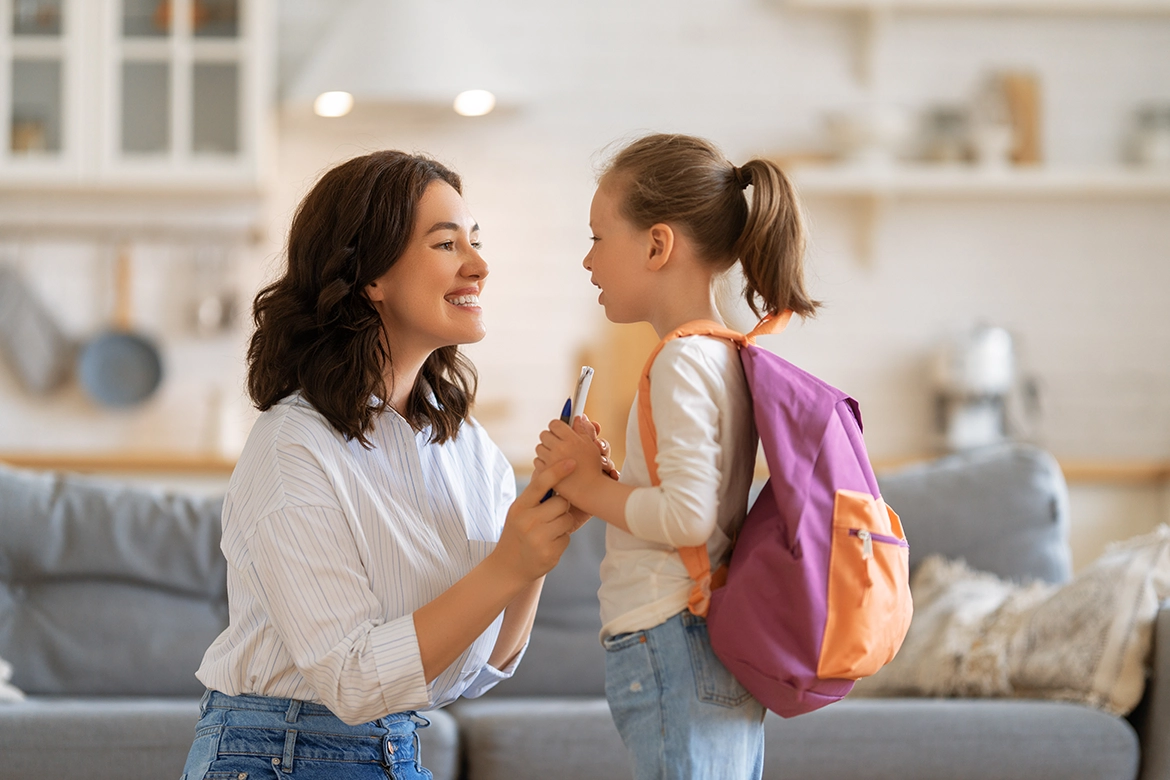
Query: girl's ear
(661, 246)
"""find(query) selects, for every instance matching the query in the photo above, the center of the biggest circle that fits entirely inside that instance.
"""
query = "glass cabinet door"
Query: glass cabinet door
(36, 79)
(180, 77)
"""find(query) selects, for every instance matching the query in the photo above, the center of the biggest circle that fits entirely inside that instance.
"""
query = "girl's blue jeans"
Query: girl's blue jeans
(261, 738)
(681, 714)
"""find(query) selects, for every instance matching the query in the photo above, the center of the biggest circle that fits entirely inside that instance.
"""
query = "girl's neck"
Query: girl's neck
(682, 298)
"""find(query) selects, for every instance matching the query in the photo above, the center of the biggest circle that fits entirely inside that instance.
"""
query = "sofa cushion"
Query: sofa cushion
(107, 588)
(540, 737)
(1002, 509)
(896, 739)
(140, 738)
(928, 739)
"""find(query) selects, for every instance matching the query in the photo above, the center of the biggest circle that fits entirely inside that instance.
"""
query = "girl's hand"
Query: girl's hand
(535, 534)
(579, 444)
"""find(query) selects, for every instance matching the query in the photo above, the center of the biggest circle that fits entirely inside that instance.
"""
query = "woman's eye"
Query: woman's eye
(594, 238)
(477, 245)
(447, 245)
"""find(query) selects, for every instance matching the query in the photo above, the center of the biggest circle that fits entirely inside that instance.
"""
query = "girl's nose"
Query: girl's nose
(588, 262)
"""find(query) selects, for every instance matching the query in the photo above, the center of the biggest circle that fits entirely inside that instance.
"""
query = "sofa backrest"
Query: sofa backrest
(118, 590)
(1002, 509)
(107, 589)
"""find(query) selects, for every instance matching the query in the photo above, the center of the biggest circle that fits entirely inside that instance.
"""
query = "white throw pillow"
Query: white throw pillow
(8, 692)
(1086, 641)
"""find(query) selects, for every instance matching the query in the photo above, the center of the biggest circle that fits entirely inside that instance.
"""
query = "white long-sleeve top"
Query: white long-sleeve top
(332, 547)
(706, 455)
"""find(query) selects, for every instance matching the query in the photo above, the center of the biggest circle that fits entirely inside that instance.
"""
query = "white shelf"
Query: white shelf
(1103, 7)
(957, 181)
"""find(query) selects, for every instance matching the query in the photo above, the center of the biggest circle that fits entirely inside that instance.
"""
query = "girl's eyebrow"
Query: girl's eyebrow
(448, 226)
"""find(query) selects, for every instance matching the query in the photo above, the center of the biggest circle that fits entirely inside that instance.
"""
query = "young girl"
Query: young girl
(669, 216)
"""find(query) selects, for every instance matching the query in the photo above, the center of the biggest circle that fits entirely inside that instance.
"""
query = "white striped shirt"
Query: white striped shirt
(332, 547)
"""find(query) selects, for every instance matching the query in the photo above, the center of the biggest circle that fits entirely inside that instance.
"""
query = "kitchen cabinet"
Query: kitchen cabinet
(103, 95)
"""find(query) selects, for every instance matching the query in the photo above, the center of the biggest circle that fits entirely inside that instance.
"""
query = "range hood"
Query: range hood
(397, 52)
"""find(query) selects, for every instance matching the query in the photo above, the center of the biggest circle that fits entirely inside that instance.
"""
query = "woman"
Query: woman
(377, 562)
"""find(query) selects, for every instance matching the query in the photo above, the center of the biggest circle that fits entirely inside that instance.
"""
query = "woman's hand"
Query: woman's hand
(535, 534)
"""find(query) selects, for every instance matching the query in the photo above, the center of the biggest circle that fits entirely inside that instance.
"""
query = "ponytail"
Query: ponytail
(772, 244)
(687, 181)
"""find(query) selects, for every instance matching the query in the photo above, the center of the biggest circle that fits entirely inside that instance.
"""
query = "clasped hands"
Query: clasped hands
(579, 442)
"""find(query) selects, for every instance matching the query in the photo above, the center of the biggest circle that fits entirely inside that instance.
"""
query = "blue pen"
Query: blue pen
(566, 416)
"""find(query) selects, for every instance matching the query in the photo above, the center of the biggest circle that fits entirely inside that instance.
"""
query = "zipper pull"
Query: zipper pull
(866, 544)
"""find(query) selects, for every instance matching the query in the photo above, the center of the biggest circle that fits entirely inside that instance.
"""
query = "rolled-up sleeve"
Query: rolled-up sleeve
(489, 675)
(313, 585)
(682, 510)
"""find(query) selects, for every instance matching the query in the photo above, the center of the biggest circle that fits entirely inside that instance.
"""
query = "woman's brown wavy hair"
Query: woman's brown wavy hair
(317, 332)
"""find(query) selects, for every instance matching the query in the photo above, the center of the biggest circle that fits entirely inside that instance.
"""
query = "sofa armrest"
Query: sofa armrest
(1154, 730)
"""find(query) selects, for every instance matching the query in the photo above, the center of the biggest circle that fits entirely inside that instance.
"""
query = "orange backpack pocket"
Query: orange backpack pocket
(869, 605)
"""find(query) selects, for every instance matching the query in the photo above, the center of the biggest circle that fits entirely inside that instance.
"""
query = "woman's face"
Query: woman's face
(430, 297)
(616, 261)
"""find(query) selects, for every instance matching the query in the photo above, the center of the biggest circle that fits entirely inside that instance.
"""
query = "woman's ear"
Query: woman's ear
(374, 291)
(661, 246)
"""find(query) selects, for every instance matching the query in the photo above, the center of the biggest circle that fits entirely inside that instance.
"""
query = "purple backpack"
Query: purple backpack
(816, 594)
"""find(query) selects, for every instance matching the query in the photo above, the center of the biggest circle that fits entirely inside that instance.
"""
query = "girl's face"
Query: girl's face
(430, 297)
(617, 260)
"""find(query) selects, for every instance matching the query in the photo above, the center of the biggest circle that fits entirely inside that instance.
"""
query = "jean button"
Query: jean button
(276, 762)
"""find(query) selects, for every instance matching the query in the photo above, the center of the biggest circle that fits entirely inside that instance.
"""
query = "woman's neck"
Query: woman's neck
(400, 377)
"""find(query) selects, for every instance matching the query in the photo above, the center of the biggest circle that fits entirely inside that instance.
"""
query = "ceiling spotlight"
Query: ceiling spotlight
(474, 102)
(333, 104)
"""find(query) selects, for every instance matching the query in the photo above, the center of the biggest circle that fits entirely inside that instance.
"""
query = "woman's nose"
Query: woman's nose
(588, 261)
(476, 267)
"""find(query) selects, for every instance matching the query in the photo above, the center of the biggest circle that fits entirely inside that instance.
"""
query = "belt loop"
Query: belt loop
(206, 697)
(294, 712)
(290, 743)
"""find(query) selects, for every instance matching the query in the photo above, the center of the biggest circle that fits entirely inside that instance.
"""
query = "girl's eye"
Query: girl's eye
(447, 245)
(477, 245)
(594, 238)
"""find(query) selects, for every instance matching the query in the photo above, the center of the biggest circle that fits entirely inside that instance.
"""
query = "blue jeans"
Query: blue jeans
(681, 714)
(254, 737)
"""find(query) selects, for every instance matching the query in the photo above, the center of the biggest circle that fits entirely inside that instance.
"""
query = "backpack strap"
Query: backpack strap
(697, 561)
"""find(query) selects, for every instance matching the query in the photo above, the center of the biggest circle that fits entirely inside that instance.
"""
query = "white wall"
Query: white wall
(1079, 281)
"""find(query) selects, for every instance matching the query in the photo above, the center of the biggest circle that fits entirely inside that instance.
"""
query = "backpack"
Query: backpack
(816, 593)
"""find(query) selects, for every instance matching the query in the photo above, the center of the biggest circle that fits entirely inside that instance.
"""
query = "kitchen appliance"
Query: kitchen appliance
(974, 374)
(120, 367)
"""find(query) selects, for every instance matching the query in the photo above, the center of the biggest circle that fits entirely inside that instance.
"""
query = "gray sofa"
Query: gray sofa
(109, 595)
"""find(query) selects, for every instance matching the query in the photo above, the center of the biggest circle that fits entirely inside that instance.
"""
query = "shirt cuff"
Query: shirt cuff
(489, 675)
(399, 664)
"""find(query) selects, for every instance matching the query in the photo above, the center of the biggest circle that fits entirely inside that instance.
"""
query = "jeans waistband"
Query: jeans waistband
(293, 709)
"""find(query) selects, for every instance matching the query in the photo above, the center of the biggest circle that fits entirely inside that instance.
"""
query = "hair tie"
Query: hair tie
(743, 177)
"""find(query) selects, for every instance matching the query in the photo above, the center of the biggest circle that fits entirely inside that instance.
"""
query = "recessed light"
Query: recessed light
(474, 102)
(333, 104)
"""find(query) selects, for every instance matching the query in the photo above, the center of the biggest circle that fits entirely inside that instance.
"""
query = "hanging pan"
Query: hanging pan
(120, 367)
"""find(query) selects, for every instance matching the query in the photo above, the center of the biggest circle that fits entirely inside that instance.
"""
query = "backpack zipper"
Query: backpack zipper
(867, 539)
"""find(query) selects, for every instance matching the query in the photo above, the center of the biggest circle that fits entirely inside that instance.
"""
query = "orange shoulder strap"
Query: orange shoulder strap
(697, 562)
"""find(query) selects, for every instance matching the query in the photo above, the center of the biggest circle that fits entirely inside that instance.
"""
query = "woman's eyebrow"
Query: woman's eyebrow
(448, 226)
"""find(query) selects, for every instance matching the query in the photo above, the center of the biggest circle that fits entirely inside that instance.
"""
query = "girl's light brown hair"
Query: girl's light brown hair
(317, 332)
(686, 182)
